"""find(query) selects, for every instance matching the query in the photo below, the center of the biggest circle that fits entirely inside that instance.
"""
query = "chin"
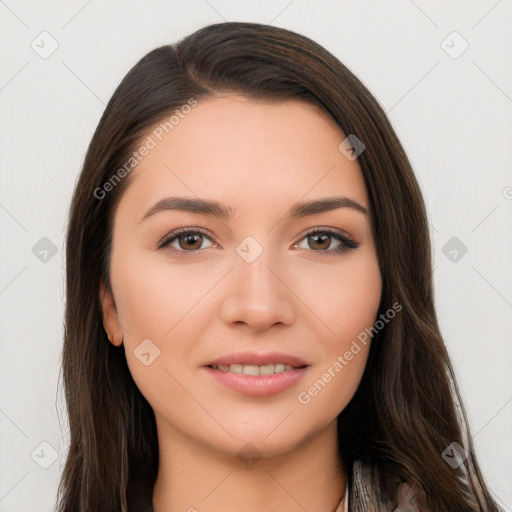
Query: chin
(259, 441)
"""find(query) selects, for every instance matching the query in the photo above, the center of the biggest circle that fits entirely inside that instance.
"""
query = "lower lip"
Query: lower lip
(258, 385)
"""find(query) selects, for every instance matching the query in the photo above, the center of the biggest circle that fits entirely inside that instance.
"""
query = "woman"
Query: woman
(249, 319)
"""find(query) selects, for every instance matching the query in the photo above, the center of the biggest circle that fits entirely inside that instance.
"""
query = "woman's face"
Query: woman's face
(255, 275)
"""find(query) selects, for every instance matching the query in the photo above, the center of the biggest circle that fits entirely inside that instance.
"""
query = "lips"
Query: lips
(259, 359)
(257, 374)
(254, 369)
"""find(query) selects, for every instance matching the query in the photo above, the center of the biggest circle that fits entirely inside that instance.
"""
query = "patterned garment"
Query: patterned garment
(363, 496)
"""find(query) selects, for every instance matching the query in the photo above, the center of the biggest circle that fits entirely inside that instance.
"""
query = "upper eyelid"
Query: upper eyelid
(326, 229)
(332, 231)
(175, 233)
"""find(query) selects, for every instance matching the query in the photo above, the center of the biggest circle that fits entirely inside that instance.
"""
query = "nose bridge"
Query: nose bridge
(257, 296)
(253, 262)
(256, 282)
(256, 279)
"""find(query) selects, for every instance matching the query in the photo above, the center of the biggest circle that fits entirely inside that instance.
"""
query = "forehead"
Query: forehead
(246, 152)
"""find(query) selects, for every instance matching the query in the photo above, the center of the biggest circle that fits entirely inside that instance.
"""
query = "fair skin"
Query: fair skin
(198, 299)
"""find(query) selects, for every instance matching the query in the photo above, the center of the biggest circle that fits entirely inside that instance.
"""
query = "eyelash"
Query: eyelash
(347, 242)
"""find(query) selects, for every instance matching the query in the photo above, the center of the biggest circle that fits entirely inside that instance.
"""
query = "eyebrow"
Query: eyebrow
(220, 210)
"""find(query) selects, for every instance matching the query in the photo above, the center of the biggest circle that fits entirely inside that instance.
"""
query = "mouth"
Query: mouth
(257, 374)
(254, 369)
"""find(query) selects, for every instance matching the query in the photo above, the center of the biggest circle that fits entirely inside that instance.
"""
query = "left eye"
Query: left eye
(326, 241)
(186, 241)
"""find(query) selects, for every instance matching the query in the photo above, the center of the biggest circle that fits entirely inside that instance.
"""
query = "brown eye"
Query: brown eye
(186, 241)
(326, 241)
(319, 241)
(190, 241)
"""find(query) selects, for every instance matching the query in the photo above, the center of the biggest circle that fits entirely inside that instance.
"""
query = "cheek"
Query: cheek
(349, 309)
(155, 295)
(345, 296)
(166, 304)
(329, 389)
(155, 315)
(344, 299)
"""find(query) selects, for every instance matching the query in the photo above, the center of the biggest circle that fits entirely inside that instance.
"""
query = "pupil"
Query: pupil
(191, 241)
(319, 241)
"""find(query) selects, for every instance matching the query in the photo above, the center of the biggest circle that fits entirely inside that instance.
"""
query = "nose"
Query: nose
(258, 296)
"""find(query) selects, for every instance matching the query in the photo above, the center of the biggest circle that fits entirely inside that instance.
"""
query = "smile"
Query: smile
(256, 374)
(253, 369)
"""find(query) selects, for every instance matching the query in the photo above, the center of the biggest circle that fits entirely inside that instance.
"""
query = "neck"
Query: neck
(193, 477)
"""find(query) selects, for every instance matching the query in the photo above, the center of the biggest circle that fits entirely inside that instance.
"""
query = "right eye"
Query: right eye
(186, 240)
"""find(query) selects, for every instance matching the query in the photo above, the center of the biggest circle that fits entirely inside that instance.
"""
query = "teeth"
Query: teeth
(254, 369)
(267, 369)
(250, 369)
(236, 368)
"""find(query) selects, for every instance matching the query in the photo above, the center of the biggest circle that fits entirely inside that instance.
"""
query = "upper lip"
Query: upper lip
(258, 358)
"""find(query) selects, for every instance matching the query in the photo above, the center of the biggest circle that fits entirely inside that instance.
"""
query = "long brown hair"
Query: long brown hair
(407, 409)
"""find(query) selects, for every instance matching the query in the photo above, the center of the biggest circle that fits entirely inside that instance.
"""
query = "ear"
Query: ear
(109, 314)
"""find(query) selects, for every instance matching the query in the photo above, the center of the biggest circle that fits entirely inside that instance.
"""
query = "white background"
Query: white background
(453, 116)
